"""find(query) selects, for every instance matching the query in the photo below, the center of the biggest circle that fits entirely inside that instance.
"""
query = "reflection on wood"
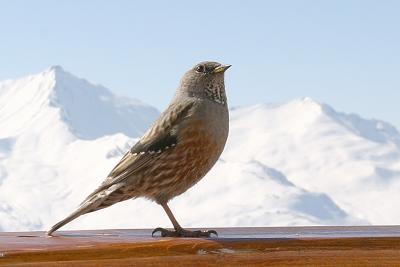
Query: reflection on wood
(291, 246)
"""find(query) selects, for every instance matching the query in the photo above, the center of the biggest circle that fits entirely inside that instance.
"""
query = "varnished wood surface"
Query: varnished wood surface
(272, 246)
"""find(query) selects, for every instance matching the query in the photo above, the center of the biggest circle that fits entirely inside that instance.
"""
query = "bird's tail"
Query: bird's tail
(95, 201)
(82, 210)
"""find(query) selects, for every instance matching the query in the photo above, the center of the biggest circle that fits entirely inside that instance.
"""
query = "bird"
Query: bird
(175, 153)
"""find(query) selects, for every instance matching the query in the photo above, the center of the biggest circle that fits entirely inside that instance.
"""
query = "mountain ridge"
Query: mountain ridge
(296, 163)
(66, 97)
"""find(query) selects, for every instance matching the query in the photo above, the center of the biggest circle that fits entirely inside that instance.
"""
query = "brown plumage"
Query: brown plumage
(175, 153)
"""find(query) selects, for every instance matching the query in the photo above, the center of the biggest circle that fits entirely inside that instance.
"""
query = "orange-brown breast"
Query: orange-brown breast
(180, 167)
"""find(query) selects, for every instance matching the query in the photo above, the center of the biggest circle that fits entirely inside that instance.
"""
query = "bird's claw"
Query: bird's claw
(161, 230)
(212, 232)
(183, 233)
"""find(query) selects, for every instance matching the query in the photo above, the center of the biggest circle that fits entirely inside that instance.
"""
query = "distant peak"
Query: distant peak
(308, 103)
(56, 69)
(57, 73)
(53, 72)
(308, 99)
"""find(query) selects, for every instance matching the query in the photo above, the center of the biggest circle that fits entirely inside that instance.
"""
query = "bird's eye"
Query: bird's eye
(200, 69)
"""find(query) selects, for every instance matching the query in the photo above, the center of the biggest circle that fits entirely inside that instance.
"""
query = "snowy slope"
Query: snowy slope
(300, 163)
(55, 96)
(55, 131)
(354, 161)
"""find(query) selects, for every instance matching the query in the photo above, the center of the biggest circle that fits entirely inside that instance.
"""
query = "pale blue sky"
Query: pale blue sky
(345, 53)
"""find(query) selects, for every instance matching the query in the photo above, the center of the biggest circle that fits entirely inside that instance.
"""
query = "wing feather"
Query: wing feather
(162, 134)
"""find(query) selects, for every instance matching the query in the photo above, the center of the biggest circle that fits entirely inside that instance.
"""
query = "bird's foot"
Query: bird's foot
(183, 233)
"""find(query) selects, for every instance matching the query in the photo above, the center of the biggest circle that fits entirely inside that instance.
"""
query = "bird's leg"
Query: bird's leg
(179, 231)
(171, 217)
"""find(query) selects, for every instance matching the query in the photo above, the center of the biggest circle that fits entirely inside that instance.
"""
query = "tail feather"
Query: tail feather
(92, 203)
(86, 207)
(71, 217)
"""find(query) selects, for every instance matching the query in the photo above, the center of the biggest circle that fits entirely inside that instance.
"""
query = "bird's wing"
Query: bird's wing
(161, 135)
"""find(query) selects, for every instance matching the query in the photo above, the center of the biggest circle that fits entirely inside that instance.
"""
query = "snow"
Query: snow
(352, 160)
(298, 163)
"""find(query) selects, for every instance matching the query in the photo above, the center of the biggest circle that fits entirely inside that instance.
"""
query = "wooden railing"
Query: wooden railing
(272, 246)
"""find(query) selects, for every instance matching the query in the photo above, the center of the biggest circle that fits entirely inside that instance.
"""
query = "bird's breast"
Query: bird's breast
(204, 135)
(200, 142)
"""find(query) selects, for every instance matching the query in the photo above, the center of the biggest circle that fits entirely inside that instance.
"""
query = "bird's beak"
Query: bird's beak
(221, 68)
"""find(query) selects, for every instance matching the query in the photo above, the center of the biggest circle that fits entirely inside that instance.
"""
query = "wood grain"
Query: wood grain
(272, 246)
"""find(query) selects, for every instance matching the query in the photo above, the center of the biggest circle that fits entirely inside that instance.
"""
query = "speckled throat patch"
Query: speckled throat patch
(216, 92)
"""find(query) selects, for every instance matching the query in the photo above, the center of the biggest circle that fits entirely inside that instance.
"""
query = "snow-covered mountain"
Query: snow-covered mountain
(38, 102)
(299, 163)
(58, 133)
(356, 162)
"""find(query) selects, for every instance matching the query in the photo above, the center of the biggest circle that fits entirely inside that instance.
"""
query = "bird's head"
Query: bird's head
(205, 80)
